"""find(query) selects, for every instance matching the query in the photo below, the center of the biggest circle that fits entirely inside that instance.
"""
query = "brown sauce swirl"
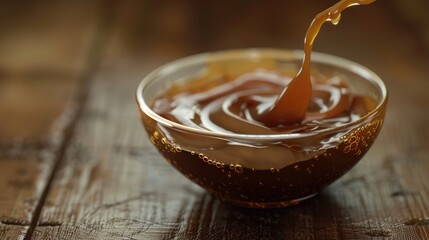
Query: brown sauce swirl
(292, 104)
(234, 106)
(265, 101)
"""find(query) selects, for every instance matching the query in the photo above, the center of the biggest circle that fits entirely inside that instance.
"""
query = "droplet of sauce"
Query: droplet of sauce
(292, 104)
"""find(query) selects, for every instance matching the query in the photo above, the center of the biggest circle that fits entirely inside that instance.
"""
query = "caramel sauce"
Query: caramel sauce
(235, 105)
(292, 104)
(261, 98)
(267, 102)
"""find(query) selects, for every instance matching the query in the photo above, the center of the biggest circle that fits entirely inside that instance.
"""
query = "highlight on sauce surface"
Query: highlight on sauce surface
(266, 101)
(256, 119)
(291, 106)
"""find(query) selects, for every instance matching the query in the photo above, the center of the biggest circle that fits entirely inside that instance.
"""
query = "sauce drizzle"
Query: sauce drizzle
(292, 104)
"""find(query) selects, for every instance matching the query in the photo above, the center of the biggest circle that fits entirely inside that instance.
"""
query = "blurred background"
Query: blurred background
(68, 74)
(48, 47)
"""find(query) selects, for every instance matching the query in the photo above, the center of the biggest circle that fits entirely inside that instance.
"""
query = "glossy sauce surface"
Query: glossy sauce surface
(267, 102)
(264, 98)
(235, 105)
(292, 104)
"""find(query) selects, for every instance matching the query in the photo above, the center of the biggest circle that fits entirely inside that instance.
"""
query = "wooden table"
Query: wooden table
(75, 162)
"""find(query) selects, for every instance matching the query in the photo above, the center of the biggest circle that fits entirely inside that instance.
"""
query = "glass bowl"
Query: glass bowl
(262, 171)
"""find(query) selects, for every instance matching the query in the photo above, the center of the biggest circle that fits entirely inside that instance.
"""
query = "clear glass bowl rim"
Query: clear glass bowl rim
(316, 57)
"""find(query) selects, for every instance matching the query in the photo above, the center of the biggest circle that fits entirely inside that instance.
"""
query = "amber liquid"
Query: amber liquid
(271, 187)
(291, 105)
(265, 102)
(235, 105)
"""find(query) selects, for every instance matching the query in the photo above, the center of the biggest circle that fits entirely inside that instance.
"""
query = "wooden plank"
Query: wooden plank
(43, 52)
(10, 232)
(113, 185)
(30, 105)
(105, 155)
(45, 37)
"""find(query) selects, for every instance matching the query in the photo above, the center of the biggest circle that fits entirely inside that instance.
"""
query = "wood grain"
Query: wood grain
(103, 179)
(43, 52)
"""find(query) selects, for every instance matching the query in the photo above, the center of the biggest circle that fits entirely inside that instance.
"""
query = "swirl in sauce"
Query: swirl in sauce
(268, 102)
